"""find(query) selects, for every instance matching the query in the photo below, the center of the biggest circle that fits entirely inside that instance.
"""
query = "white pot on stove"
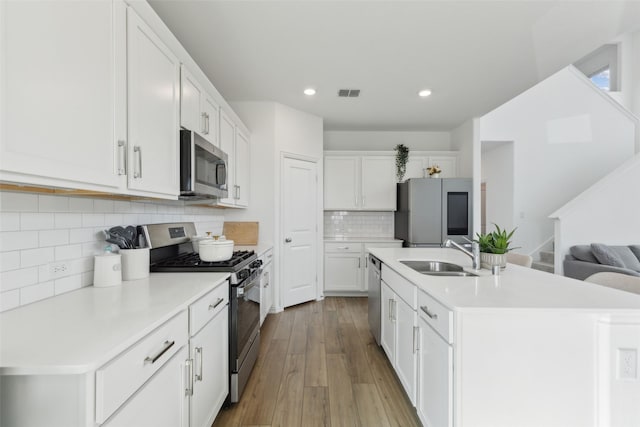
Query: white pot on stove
(215, 250)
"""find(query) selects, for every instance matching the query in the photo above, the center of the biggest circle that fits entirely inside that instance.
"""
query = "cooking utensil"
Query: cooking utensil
(132, 235)
(215, 250)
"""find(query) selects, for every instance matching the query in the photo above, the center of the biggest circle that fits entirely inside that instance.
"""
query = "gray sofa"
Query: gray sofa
(585, 260)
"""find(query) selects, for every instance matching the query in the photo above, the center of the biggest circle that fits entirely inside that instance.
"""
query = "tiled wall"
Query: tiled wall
(358, 224)
(38, 230)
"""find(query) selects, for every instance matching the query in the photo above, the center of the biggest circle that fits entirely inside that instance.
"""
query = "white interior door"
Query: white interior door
(299, 262)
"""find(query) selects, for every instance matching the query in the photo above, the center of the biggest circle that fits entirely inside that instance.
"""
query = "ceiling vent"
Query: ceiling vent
(349, 93)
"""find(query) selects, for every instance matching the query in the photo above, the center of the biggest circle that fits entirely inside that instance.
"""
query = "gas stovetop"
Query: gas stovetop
(191, 261)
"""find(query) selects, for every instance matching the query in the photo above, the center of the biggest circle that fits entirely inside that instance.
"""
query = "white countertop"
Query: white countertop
(259, 249)
(516, 287)
(79, 331)
(361, 239)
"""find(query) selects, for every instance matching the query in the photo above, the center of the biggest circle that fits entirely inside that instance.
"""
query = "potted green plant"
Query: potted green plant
(402, 157)
(494, 247)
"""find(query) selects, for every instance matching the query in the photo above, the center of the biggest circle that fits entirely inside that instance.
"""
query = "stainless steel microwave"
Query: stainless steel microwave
(203, 168)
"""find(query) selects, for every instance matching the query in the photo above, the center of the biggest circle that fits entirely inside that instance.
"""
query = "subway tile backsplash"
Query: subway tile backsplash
(38, 230)
(358, 224)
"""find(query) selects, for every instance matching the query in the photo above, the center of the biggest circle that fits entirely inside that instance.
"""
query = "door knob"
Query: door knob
(287, 240)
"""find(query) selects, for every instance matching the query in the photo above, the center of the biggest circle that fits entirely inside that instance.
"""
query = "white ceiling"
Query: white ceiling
(473, 55)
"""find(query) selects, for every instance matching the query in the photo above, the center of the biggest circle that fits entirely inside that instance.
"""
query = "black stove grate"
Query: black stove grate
(191, 261)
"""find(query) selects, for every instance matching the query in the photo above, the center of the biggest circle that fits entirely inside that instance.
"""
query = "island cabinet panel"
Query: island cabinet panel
(435, 378)
(388, 329)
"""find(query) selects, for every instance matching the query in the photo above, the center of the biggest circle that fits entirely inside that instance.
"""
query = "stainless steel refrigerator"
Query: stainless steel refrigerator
(432, 210)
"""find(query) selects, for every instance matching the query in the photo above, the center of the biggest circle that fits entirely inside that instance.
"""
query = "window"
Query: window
(602, 79)
(601, 66)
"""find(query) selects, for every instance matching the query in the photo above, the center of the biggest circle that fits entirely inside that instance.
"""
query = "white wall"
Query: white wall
(38, 230)
(277, 129)
(462, 142)
(299, 134)
(497, 174)
(260, 117)
(635, 73)
(386, 140)
(567, 135)
(609, 213)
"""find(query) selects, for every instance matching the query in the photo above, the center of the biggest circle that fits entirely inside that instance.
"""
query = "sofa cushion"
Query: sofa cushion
(605, 255)
(636, 250)
(583, 253)
(627, 256)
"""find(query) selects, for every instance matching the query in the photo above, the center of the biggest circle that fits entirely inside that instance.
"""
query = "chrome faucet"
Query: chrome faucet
(474, 254)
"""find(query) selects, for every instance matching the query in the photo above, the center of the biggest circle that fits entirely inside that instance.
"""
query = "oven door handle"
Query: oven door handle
(244, 288)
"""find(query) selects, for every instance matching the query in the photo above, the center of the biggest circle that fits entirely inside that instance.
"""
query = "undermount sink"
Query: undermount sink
(437, 268)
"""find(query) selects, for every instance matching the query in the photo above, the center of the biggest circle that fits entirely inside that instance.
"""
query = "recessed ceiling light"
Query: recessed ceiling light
(424, 93)
(309, 91)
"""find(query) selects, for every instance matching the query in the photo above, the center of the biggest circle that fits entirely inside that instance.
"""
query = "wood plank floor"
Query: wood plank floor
(320, 366)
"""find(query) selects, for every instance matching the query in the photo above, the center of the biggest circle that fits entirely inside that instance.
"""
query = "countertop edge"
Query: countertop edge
(87, 368)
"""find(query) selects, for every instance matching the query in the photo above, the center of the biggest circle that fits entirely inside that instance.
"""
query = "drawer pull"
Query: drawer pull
(217, 303)
(428, 313)
(198, 359)
(188, 364)
(152, 359)
(343, 247)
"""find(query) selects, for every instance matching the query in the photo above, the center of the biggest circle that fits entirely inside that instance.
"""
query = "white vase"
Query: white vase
(487, 260)
(434, 175)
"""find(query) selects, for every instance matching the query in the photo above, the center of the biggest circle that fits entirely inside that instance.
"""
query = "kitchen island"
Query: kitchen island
(524, 348)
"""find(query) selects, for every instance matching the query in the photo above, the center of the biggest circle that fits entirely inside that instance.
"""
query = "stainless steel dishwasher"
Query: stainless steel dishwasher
(374, 296)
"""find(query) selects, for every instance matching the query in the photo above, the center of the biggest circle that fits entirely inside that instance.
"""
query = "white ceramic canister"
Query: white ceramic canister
(135, 263)
(107, 269)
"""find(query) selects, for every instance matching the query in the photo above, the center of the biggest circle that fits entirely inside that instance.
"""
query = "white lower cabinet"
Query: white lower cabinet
(388, 328)
(266, 285)
(406, 346)
(399, 338)
(346, 265)
(161, 402)
(435, 378)
(210, 355)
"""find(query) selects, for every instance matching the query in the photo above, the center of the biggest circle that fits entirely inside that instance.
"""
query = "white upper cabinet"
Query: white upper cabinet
(153, 114)
(378, 183)
(341, 182)
(235, 143)
(227, 144)
(63, 93)
(242, 168)
(198, 110)
(210, 120)
(191, 99)
(359, 183)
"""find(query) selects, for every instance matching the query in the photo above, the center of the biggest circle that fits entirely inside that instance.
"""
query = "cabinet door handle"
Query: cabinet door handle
(343, 247)
(204, 122)
(215, 304)
(364, 201)
(137, 149)
(188, 364)
(166, 346)
(358, 262)
(416, 339)
(433, 316)
(198, 362)
(122, 157)
(366, 262)
(390, 301)
(208, 128)
(355, 201)
(395, 310)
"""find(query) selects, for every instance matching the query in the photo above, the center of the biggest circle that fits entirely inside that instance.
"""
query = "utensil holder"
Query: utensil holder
(135, 263)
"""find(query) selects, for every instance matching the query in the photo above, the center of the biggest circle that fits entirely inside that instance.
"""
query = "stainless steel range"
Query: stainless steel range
(171, 251)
